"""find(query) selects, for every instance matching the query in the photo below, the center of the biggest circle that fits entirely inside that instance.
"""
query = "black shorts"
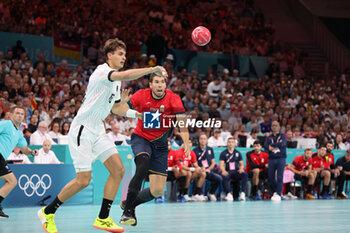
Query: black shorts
(157, 150)
(262, 175)
(4, 168)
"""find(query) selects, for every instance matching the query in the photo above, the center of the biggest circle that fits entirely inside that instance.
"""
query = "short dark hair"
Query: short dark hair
(112, 44)
(257, 142)
(154, 75)
(15, 107)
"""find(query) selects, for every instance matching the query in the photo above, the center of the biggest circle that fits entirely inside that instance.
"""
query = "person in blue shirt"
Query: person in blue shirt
(206, 160)
(276, 146)
(232, 168)
(10, 137)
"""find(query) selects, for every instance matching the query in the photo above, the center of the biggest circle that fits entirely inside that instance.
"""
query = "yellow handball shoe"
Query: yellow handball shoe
(107, 224)
(47, 221)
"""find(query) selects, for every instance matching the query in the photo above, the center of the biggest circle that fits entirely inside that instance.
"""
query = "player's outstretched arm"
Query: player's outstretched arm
(122, 108)
(133, 74)
(184, 132)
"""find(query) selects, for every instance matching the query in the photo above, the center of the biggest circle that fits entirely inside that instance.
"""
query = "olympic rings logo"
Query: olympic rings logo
(34, 184)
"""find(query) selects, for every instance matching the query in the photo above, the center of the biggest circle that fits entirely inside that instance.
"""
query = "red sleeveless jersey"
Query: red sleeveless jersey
(159, 114)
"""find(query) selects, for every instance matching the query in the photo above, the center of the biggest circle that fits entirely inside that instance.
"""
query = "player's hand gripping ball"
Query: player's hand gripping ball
(201, 36)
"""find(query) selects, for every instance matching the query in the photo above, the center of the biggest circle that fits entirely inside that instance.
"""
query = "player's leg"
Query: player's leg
(326, 174)
(255, 182)
(281, 163)
(80, 142)
(116, 172)
(10, 183)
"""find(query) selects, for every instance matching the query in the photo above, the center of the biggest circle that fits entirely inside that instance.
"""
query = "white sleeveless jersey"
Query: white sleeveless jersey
(100, 96)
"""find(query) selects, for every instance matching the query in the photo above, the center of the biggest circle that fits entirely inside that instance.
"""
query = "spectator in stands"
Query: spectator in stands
(40, 135)
(116, 137)
(214, 88)
(18, 157)
(206, 160)
(232, 169)
(55, 130)
(252, 138)
(343, 164)
(175, 171)
(257, 163)
(302, 169)
(322, 169)
(65, 128)
(339, 143)
(225, 133)
(290, 142)
(189, 163)
(46, 155)
(33, 125)
(276, 145)
(216, 140)
(266, 125)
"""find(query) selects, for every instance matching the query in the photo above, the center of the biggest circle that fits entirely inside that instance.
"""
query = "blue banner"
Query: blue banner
(37, 181)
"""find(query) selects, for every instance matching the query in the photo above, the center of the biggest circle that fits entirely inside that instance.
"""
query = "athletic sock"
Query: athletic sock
(53, 206)
(145, 195)
(105, 208)
(254, 190)
(287, 188)
(198, 191)
(325, 189)
(309, 188)
(185, 191)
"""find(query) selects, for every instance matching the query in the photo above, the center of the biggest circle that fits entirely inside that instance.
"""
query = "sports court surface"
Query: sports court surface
(264, 216)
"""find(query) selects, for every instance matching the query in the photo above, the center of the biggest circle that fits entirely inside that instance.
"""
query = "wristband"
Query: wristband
(192, 169)
(131, 113)
(170, 168)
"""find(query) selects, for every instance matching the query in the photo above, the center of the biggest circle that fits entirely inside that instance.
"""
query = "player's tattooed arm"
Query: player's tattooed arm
(133, 74)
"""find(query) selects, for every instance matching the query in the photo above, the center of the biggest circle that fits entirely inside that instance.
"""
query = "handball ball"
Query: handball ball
(201, 36)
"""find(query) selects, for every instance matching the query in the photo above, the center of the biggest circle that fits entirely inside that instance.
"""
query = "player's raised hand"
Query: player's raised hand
(125, 96)
(160, 71)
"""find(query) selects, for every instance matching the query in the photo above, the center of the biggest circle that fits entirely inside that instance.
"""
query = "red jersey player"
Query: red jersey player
(302, 169)
(257, 161)
(175, 171)
(189, 163)
(320, 165)
(149, 143)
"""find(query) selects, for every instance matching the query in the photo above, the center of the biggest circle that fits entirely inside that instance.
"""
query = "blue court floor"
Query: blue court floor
(264, 216)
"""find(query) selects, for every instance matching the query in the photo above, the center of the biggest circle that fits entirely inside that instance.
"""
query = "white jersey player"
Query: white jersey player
(88, 140)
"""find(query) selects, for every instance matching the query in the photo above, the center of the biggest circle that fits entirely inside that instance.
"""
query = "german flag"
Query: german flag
(33, 104)
(66, 49)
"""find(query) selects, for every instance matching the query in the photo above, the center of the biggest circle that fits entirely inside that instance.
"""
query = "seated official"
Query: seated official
(46, 155)
(232, 169)
(175, 171)
(257, 163)
(343, 164)
(18, 157)
(206, 160)
(302, 169)
(116, 136)
(189, 163)
(323, 171)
